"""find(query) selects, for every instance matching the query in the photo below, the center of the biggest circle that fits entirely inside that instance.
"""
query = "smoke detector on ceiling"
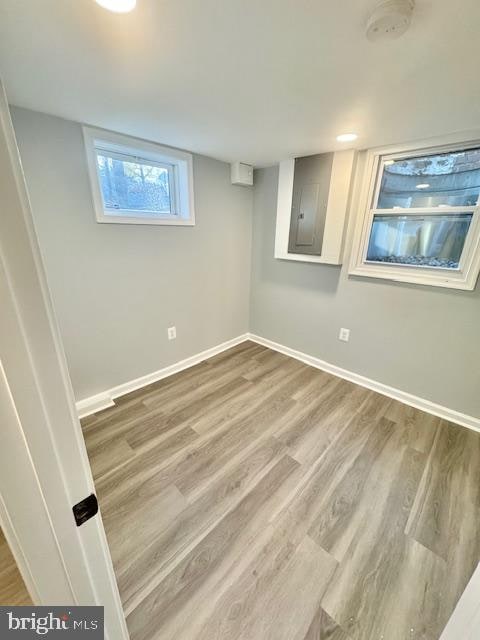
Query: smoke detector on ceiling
(389, 20)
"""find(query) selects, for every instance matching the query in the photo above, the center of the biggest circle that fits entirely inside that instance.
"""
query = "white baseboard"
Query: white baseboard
(105, 399)
(94, 403)
(402, 396)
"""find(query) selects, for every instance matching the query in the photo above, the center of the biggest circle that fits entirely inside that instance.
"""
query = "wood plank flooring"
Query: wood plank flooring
(12, 588)
(253, 497)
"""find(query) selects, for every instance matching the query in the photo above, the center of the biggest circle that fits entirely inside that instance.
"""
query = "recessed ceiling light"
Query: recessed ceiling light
(423, 186)
(118, 6)
(347, 137)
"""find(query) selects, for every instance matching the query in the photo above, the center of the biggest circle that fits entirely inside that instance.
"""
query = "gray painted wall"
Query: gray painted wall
(422, 340)
(116, 288)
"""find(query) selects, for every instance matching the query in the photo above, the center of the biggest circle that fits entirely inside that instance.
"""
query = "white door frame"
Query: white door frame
(44, 468)
(464, 623)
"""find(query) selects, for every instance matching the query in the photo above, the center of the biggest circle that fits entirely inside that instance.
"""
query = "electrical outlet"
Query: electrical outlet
(344, 335)
(172, 333)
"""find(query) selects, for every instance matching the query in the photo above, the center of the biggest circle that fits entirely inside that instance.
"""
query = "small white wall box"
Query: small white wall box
(241, 173)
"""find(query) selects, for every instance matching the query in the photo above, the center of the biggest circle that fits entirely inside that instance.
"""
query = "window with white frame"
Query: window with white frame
(420, 219)
(138, 182)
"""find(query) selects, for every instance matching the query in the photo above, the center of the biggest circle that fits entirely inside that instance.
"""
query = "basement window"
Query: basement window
(138, 182)
(420, 221)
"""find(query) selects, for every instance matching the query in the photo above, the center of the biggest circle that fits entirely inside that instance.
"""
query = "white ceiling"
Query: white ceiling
(250, 80)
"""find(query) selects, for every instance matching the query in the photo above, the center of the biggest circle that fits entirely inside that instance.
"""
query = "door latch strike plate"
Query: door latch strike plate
(85, 509)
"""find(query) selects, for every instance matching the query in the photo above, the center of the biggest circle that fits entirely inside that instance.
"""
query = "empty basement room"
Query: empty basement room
(239, 321)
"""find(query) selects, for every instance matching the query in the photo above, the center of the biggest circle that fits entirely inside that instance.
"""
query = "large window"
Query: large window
(138, 182)
(420, 216)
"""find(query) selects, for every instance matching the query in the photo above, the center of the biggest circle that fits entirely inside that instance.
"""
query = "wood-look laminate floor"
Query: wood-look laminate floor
(253, 497)
(12, 588)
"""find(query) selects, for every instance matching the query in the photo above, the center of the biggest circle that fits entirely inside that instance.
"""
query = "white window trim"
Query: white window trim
(465, 277)
(178, 163)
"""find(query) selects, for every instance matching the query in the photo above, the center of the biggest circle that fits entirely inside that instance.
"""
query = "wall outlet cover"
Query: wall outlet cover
(172, 333)
(344, 335)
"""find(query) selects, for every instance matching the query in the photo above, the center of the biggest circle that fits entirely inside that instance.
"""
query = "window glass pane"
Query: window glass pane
(449, 179)
(416, 240)
(133, 185)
